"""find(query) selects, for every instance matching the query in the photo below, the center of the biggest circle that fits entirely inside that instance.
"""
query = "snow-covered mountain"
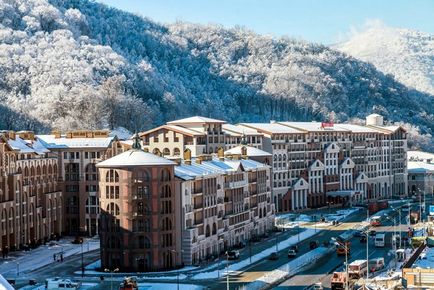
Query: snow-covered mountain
(406, 54)
(81, 64)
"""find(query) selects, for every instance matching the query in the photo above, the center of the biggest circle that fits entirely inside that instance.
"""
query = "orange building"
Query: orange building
(140, 212)
(30, 204)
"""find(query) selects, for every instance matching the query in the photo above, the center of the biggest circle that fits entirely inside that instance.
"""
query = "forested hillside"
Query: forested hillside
(80, 64)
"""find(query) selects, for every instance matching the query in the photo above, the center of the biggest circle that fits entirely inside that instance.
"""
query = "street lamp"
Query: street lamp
(344, 244)
(177, 271)
(111, 276)
(227, 271)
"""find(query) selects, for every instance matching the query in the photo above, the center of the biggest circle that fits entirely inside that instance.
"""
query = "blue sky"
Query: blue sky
(325, 21)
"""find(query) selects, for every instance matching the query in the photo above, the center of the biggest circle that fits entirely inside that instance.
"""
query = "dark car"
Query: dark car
(233, 255)
(78, 240)
(273, 256)
(294, 247)
(372, 233)
(313, 245)
(363, 239)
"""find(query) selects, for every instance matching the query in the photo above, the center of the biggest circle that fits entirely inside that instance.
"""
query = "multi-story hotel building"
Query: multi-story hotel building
(140, 212)
(198, 134)
(317, 163)
(78, 152)
(226, 201)
(30, 204)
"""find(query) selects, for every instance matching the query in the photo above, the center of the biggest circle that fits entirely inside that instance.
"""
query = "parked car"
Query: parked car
(363, 239)
(313, 245)
(372, 233)
(318, 286)
(273, 256)
(233, 255)
(292, 253)
(294, 247)
(78, 240)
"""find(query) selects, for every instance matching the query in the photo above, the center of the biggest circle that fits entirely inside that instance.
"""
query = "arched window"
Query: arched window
(214, 229)
(38, 170)
(207, 232)
(176, 152)
(142, 176)
(275, 157)
(166, 152)
(112, 176)
(113, 209)
(165, 175)
(44, 169)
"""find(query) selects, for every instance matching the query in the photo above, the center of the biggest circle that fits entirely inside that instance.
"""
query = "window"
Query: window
(112, 176)
(86, 155)
(113, 209)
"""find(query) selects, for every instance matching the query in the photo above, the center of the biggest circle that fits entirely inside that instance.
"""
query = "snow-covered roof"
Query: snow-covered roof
(213, 167)
(426, 259)
(312, 126)
(196, 119)
(251, 151)
(356, 128)
(420, 167)
(50, 142)
(176, 128)
(20, 145)
(238, 130)
(271, 128)
(135, 157)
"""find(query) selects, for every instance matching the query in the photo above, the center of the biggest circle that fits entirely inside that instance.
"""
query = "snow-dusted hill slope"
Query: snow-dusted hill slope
(404, 53)
(81, 64)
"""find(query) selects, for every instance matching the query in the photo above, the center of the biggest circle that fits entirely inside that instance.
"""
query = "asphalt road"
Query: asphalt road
(323, 269)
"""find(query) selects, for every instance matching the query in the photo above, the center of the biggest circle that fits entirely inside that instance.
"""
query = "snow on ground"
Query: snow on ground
(163, 286)
(289, 269)
(264, 254)
(42, 256)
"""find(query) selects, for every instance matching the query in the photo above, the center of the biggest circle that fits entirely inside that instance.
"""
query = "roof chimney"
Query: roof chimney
(187, 156)
(199, 159)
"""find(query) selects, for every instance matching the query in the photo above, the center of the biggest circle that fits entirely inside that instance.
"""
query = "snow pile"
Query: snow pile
(264, 254)
(289, 269)
(165, 286)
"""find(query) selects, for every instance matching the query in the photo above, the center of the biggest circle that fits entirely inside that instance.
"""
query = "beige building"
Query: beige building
(30, 204)
(141, 212)
(78, 153)
(339, 163)
(226, 201)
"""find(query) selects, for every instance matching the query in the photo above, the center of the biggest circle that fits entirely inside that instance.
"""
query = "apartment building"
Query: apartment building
(226, 200)
(140, 212)
(78, 153)
(30, 204)
(420, 172)
(319, 163)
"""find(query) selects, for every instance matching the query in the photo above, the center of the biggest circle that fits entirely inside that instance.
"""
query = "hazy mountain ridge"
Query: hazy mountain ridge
(406, 54)
(80, 64)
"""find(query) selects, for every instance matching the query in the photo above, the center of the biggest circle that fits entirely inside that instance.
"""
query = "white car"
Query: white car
(292, 253)
(318, 286)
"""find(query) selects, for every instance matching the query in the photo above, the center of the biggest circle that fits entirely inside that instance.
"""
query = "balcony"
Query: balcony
(235, 184)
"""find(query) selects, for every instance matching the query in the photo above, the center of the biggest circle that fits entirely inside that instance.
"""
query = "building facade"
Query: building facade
(315, 164)
(226, 200)
(140, 212)
(420, 172)
(30, 204)
(78, 153)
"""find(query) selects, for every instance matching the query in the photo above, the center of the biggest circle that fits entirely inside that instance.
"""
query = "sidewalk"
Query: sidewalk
(20, 262)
